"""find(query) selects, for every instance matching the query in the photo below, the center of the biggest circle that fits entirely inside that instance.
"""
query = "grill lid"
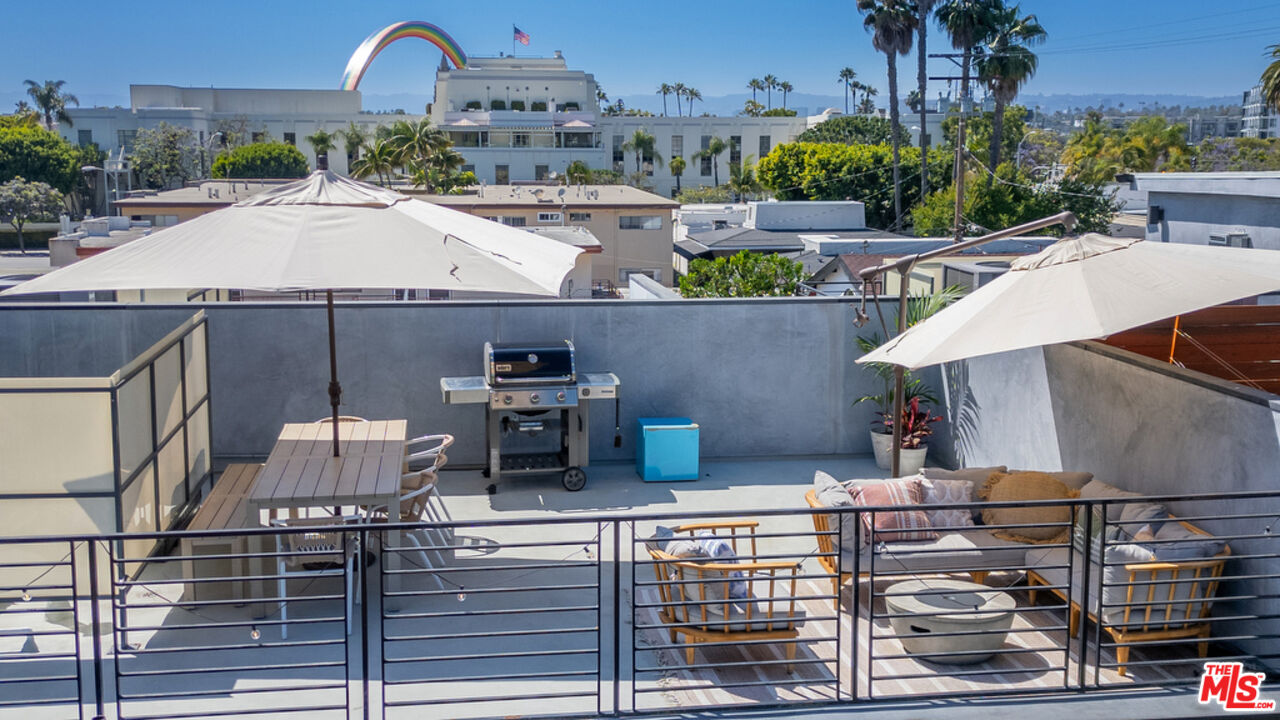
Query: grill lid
(529, 363)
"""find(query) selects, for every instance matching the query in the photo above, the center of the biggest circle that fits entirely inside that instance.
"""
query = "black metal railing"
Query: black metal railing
(586, 616)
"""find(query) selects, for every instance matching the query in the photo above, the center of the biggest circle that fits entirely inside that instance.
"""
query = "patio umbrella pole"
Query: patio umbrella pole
(899, 373)
(335, 389)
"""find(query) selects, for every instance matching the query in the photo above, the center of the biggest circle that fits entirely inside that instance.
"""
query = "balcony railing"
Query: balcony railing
(573, 616)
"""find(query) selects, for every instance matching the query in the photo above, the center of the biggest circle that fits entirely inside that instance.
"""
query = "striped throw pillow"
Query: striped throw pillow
(903, 525)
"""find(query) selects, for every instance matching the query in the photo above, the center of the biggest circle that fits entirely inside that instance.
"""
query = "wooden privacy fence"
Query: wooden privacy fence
(1240, 343)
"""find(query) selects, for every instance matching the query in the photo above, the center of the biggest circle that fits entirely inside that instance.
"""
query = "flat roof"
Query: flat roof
(209, 193)
(527, 197)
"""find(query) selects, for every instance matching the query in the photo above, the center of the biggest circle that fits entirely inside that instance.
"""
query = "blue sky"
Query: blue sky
(1109, 46)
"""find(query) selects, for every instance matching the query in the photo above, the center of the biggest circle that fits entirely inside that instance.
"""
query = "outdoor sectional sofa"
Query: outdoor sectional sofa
(1143, 598)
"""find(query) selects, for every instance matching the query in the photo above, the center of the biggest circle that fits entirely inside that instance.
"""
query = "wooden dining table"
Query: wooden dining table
(301, 472)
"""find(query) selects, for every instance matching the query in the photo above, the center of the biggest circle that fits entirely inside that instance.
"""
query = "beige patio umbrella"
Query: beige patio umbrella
(323, 232)
(1083, 288)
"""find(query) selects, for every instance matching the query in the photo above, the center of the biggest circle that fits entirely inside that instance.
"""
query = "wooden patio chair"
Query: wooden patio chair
(695, 594)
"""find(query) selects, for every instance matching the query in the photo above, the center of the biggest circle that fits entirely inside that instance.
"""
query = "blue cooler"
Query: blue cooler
(667, 449)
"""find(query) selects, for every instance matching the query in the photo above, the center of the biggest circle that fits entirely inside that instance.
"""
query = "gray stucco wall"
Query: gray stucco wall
(761, 377)
(1138, 424)
(1192, 218)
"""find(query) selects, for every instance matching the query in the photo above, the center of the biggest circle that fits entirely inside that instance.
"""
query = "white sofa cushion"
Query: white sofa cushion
(958, 551)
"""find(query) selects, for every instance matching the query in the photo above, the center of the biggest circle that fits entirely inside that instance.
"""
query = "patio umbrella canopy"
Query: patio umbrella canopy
(323, 232)
(1083, 288)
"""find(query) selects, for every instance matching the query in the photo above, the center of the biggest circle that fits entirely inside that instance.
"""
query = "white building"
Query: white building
(1259, 121)
(513, 119)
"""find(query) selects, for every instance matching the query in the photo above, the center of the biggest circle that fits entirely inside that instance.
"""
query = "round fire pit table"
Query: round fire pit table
(925, 609)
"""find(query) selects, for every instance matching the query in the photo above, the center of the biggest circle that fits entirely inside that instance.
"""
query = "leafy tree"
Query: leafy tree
(354, 138)
(21, 201)
(645, 146)
(1008, 65)
(1238, 154)
(831, 171)
(677, 166)
(579, 173)
(715, 148)
(40, 155)
(751, 108)
(845, 78)
(261, 160)
(851, 130)
(778, 112)
(1014, 199)
(700, 195)
(979, 129)
(235, 131)
(1271, 79)
(164, 156)
(23, 116)
(51, 101)
(606, 176)
(892, 23)
(322, 142)
(1098, 152)
(746, 274)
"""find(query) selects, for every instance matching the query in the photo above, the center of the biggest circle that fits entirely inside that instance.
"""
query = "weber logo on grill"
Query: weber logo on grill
(502, 367)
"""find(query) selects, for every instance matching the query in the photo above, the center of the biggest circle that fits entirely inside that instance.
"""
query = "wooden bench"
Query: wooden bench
(223, 507)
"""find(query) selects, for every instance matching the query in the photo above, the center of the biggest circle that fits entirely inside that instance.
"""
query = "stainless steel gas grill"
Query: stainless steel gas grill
(536, 409)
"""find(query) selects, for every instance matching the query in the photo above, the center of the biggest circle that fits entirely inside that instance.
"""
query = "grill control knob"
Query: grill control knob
(585, 391)
(506, 399)
(533, 398)
(560, 396)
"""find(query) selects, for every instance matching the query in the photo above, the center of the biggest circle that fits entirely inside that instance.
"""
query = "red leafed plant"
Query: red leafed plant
(916, 424)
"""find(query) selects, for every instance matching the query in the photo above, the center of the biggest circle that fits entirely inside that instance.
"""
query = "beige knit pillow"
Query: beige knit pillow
(1054, 521)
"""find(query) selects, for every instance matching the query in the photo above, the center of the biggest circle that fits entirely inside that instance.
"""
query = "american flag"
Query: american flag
(521, 36)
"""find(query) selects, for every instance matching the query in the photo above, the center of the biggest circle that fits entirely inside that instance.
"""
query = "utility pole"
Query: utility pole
(964, 59)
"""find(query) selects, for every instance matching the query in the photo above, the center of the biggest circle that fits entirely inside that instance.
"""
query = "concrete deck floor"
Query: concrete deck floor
(733, 487)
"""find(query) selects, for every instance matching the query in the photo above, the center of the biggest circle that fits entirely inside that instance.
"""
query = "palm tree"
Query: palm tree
(354, 137)
(1007, 66)
(416, 143)
(377, 160)
(715, 148)
(770, 82)
(322, 142)
(601, 97)
(679, 89)
(868, 106)
(785, 87)
(676, 166)
(846, 78)
(754, 85)
(923, 8)
(643, 143)
(578, 173)
(913, 100)
(664, 90)
(692, 94)
(892, 23)
(967, 22)
(742, 179)
(1271, 80)
(51, 101)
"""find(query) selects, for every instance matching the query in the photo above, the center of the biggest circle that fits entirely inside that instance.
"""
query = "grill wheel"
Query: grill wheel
(574, 479)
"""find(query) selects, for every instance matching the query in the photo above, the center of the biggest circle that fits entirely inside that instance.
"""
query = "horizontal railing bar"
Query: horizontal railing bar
(494, 698)
(964, 633)
(742, 663)
(215, 671)
(491, 633)
(484, 590)
(475, 613)
(1187, 640)
(740, 643)
(233, 691)
(36, 633)
(494, 568)
(483, 656)
(6, 658)
(487, 678)
(948, 653)
(776, 623)
(967, 673)
(1183, 602)
(242, 711)
(328, 572)
(1192, 621)
(26, 680)
(951, 613)
(51, 565)
(241, 646)
(230, 624)
(1181, 661)
(752, 683)
(234, 602)
(34, 588)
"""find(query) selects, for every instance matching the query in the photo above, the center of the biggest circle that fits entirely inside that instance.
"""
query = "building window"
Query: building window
(735, 150)
(84, 137)
(125, 138)
(468, 169)
(502, 174)
(579, 217)
(705, 168)
(520, 139)
(259, 137)
(677, 146)
(619, 158)
(291, 138)
(766, 144)
(646, 162)
(550, 217)
(540, 173)
(512, 220)
(625, 274)
(640, 222)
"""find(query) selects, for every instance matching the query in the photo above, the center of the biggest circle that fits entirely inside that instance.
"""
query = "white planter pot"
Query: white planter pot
(910, 460)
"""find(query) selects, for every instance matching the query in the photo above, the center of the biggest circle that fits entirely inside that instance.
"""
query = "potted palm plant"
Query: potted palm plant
(916, 393)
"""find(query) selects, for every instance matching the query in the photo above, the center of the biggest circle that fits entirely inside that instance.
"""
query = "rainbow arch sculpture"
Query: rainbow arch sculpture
(377, 42)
